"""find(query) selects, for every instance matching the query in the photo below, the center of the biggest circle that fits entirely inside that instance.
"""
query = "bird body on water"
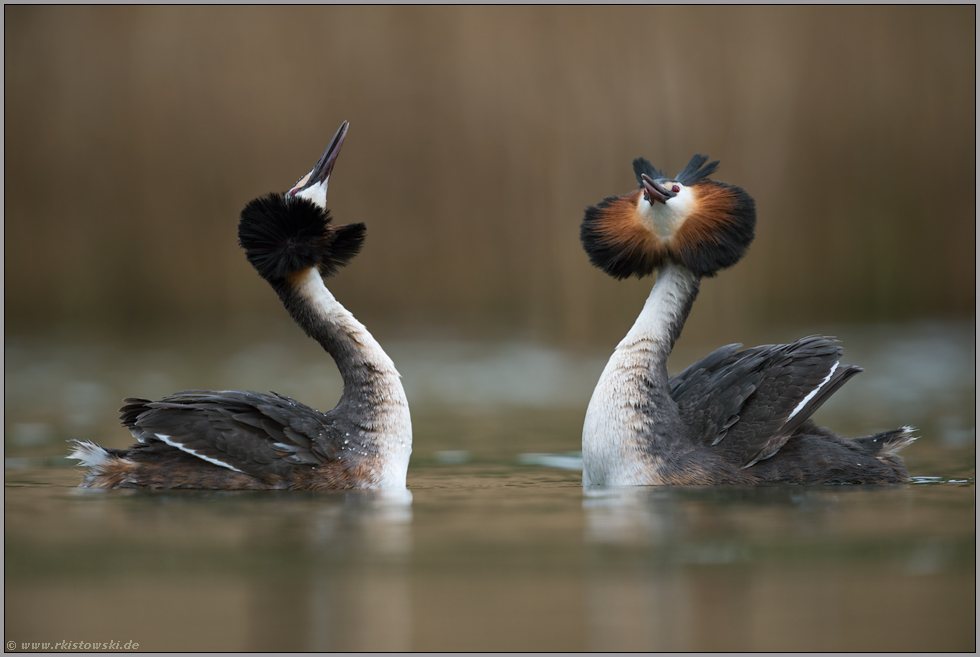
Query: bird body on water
(733, 417)
(249, 440)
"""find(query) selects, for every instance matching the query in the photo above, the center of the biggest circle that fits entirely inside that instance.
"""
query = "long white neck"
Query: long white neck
(665, 311)
(631, 404)
(373, 397)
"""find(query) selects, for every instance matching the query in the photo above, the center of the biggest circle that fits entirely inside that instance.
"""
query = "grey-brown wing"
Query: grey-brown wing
(255, 433)
(750, 402)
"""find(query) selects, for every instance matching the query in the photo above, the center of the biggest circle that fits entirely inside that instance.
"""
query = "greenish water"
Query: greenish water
(495, 546)
(493, 556)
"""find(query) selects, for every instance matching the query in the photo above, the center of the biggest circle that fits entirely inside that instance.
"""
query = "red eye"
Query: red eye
(675, 189)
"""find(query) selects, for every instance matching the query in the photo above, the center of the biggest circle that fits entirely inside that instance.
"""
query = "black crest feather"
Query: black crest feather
(346, 242)
(281, 238)
(642, 165)
(693, 173)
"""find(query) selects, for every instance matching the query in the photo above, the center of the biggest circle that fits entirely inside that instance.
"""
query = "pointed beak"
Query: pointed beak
(655, 191)
(324, 167)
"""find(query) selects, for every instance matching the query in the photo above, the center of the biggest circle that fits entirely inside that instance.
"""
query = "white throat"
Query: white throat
(663, 219)
(667, 301)
(619, 418)
(316, 193)
(388, 414)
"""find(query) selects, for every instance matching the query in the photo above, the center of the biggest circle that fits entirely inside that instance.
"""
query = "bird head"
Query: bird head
(284, 234)
(313, 186)
(691, 220)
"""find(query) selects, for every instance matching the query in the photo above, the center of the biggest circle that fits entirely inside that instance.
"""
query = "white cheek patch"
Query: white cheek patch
(664, 219)
(316, 193)
(683, 204)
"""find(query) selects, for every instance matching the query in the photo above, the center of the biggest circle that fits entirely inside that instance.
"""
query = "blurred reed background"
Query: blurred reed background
(134, 135)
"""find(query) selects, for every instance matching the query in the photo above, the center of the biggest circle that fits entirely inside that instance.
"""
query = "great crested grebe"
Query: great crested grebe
(733, 417)
(247, 440)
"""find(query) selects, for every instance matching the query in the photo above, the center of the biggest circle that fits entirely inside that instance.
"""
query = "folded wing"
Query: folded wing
(750, 402)
(255, 433)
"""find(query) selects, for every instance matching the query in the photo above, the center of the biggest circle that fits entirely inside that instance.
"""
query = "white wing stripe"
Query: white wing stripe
(799, 407)
(190, 451)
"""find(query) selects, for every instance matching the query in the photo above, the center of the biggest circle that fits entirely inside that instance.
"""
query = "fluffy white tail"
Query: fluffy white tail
(897, 439)
(90, 454)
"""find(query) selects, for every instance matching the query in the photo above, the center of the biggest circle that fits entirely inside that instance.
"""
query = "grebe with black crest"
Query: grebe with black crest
(233, 439)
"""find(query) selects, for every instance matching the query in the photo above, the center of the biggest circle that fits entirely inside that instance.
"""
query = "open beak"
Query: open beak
(324, 167)
(655, 191)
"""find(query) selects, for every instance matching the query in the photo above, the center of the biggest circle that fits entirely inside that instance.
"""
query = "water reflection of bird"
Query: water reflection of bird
(739, 417)
(237, 439)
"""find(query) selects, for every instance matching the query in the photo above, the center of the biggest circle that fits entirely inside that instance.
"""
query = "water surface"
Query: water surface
(493, 556)
(495, 546)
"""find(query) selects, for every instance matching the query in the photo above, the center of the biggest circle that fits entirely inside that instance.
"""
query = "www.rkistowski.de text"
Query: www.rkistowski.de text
(71, 645)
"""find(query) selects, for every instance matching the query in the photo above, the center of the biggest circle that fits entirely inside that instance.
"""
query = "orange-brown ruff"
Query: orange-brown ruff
(733, 417)
(619, 227)
(249, 440)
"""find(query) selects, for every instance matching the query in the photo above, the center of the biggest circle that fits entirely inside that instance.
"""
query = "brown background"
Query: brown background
(134, 135)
